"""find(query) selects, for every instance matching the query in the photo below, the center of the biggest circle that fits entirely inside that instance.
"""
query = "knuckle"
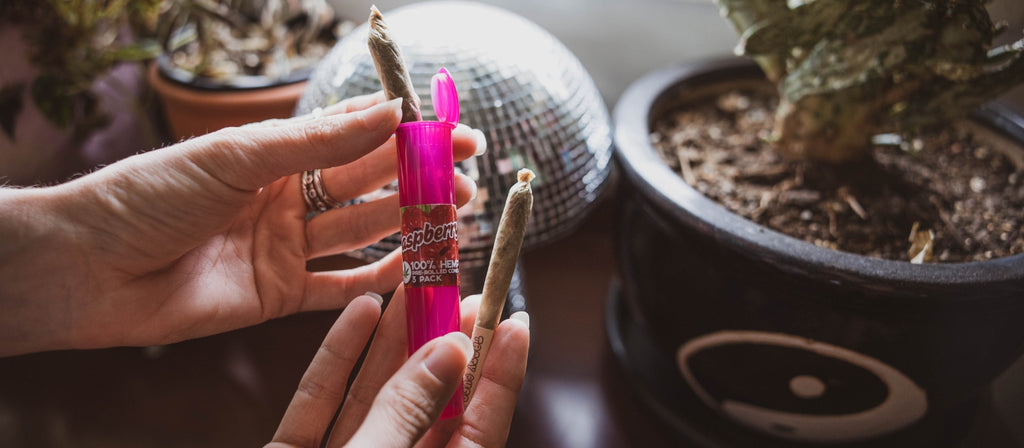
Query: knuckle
(362, 395)
(318, 134)
(229, 138)
(337, 357)
(321, 388)
(504, 389)
(472, 435)
(316, 389)
(411, 408)
(226, 150)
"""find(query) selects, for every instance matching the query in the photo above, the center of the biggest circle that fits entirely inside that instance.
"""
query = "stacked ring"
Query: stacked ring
(315, 194)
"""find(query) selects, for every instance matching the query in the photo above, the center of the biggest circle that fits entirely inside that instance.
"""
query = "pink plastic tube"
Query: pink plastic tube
(430, 252)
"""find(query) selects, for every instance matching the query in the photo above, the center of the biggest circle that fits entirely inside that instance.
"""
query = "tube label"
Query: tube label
(430, 247)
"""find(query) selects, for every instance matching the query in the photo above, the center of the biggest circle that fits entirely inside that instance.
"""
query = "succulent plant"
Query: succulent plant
(225, 39)
(72, 43)
(848, 70)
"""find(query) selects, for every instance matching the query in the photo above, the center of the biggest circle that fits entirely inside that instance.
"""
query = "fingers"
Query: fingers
(347, 105)
(323, 385)
(470, 307)
(355, 103)
(386, 355)
(467, 141)
(252, 156)
(330, 289)
(488, 417)
(441, 432)
(352, 227)
(359, 225)
(248, 158)
(411, 401)
(380, 166)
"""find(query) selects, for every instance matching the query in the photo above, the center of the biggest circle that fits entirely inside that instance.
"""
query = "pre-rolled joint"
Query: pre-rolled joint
(394, 77)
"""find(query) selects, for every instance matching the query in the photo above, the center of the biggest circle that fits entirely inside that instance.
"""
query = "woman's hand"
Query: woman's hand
(204, 236)
(395, 402)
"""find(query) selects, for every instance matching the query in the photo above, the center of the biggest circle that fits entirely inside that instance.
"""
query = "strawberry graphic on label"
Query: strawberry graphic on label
(430, 250)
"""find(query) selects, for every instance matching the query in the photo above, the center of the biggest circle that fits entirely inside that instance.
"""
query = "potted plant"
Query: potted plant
(71, 92)
(231, 62)
(793, 341)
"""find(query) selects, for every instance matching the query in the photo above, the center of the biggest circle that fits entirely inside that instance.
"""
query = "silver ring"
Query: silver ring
(315, 194)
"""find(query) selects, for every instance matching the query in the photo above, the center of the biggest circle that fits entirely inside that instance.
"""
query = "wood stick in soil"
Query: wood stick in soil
(387, 58)
(507, 243)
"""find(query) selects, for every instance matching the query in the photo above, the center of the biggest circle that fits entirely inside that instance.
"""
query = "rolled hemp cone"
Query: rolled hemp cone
(507, 243)
(394, 77)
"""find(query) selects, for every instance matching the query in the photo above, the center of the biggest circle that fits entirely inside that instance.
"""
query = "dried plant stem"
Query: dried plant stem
(394, 77)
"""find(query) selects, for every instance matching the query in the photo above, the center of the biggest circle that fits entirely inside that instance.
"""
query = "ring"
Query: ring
(314, 193)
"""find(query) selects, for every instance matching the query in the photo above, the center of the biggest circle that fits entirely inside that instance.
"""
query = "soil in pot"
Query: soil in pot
(954, 182)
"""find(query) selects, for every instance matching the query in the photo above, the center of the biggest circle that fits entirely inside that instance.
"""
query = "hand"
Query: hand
(394, 402)
(204, 236)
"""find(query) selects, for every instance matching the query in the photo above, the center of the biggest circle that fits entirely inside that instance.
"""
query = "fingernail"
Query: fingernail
(472, 298)
(376, 297)
(481, 142)
(463, 341)
(521, 316)
(441, 365)
(475, 190)
(383, 114)
(469, 183)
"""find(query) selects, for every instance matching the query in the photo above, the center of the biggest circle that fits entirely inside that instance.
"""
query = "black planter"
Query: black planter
(789, 342)
(186, 78)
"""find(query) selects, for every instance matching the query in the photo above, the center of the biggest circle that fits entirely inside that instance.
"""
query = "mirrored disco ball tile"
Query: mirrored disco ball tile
(534, 101)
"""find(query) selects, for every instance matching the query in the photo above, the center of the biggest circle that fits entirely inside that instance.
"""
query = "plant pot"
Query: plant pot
(740, 335)
(193, 110)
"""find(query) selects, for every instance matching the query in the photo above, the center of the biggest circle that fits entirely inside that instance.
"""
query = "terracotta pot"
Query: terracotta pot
(741, 336)
(192, 111)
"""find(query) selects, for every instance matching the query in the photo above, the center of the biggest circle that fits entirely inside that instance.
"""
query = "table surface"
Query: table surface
(231, 389)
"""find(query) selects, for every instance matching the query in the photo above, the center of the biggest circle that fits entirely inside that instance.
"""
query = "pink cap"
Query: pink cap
(425, 170)
(444, 97)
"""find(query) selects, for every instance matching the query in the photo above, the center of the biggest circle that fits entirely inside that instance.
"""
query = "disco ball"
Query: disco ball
(534, 101)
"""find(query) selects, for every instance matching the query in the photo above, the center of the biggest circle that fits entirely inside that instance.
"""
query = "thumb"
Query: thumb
(251, 157)
(410, 402)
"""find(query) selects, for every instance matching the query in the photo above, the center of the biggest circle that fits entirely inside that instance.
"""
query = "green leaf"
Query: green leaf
(10, 106)
(139, 51)
(801, 26)
(53, 100)
(835, 65)
(90, 116)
